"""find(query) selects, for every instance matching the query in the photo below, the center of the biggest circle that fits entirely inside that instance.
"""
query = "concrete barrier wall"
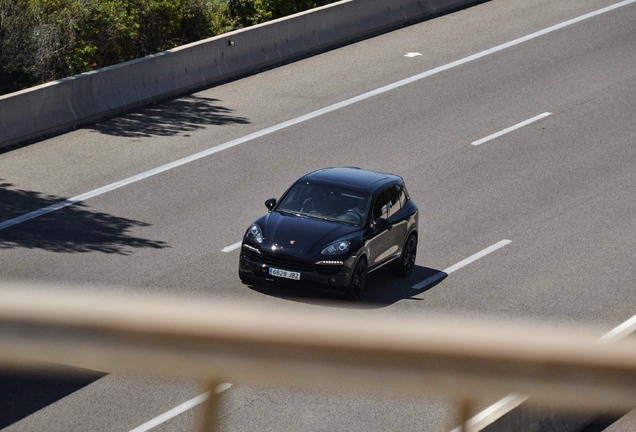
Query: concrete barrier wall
(61, 105)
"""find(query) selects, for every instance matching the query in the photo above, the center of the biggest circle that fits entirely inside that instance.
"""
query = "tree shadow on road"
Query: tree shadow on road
(24, 393)
(381, 290)
(178, 116)
(72, 229)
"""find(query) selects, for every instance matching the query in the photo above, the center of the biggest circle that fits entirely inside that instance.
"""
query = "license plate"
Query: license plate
(284, 274)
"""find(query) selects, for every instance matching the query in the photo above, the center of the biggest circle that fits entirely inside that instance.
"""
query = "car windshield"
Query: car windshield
(325, 202)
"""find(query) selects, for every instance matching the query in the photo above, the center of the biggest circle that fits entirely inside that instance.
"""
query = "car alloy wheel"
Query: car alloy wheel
(358, 278)
(404, 267)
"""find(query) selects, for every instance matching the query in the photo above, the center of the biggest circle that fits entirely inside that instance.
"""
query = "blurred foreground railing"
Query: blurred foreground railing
(214, 342)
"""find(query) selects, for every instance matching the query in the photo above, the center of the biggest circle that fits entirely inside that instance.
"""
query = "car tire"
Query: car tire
(358, 280)
(404, 266)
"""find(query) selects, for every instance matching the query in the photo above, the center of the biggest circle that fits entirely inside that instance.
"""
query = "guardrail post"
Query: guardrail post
(210, 416)
(464, 408)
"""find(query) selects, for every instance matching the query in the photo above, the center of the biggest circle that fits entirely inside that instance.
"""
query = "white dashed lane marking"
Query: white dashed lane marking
(463, 263)
(179, 409)
(231, 247)
(511, 128)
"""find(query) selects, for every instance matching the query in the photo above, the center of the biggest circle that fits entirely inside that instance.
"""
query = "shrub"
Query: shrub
(44, 40)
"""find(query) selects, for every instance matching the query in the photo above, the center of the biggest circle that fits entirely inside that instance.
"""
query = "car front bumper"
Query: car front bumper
(253, 266)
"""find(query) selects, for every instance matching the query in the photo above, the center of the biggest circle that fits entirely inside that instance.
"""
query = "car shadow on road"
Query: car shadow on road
(72, 229)
(386, 289)
(381, 290)
(178, 116)
(24, 393)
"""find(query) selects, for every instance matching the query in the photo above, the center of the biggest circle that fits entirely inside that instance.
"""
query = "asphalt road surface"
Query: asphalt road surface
(560, 188)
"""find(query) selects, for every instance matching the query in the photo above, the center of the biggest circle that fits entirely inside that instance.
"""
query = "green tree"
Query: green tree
(281, 8)
(249, 12)
(44, 40)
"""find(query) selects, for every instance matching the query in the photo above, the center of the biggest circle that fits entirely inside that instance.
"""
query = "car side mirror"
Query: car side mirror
(270, 203)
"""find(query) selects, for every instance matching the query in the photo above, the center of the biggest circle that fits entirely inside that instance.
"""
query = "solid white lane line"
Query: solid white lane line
(462, 263)
(232, 247)
(178, 410)
(512, 401)
(511, 128)
(306, 117)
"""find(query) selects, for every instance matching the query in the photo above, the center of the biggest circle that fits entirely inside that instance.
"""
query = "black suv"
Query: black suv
(334, 227)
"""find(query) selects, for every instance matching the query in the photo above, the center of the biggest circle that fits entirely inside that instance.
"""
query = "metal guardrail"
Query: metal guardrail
(213, 342)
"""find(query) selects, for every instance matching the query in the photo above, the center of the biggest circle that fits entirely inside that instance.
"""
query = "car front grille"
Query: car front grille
(286, 262)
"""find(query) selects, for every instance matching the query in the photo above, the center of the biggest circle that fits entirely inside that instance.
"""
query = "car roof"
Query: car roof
(352, 178)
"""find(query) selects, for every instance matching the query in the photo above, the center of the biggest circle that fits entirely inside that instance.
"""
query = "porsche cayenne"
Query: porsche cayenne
(333, 227)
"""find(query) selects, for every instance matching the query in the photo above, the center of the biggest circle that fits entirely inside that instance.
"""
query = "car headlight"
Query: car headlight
(337, 248)
(255, 233)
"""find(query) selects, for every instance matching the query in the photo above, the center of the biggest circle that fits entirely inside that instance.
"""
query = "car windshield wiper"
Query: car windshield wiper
(331, 219)
(314, 216)
(286, 212)
(325, 218)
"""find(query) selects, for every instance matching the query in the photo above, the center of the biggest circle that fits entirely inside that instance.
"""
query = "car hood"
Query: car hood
(301, 234)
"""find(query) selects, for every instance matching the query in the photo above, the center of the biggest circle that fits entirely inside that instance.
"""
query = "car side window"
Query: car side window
(380, 207)
(393, 199)
(387, 203)
(402, 193)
